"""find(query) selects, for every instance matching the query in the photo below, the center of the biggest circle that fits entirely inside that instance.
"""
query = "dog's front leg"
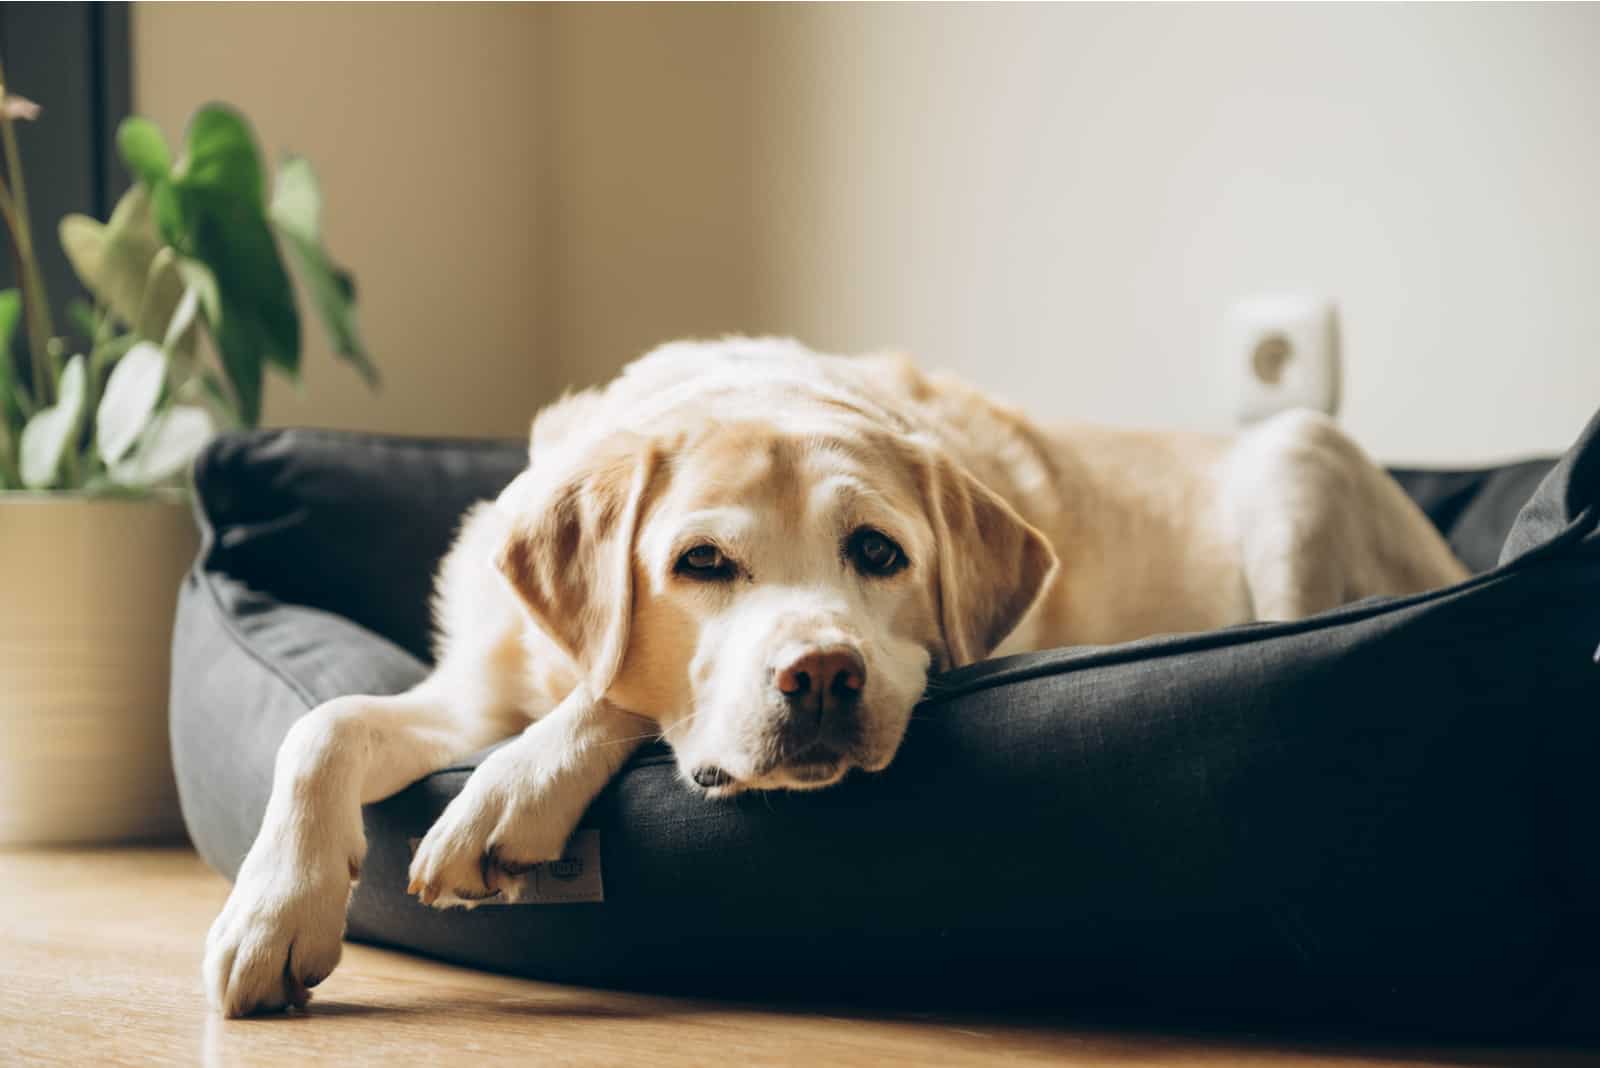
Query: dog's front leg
(522, 803)
(281, 931)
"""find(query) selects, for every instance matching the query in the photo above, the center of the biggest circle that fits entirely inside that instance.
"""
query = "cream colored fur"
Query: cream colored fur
(571, 621)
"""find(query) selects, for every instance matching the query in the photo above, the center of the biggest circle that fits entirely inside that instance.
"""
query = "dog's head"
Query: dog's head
(775, 599)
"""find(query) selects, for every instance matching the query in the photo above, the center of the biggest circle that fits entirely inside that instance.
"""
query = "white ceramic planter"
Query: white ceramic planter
(88, 589)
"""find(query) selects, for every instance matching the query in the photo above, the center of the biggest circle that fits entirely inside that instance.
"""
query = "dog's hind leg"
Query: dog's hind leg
(1318, 524)
(281, 931)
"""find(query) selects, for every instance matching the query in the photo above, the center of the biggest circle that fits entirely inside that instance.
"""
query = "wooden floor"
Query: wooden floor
(99, 964)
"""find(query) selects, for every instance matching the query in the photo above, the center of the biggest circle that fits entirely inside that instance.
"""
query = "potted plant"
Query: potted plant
(191, 303)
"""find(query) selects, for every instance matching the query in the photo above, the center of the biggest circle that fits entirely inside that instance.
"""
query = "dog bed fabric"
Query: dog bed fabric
(1381, 816)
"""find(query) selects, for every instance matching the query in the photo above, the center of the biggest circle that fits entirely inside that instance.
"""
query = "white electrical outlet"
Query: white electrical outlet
(1281, 351)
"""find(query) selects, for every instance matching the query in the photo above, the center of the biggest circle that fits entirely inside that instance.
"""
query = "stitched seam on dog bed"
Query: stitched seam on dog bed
(242, 641)
(423, 444)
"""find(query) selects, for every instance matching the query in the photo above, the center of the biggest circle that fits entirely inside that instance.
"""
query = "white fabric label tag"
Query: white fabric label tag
(575, 877)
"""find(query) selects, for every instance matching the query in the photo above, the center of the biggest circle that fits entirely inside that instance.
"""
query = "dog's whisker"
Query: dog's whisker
(629, 741)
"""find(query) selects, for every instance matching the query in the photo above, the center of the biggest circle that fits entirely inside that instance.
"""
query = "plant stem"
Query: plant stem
(7, 215)
(35, 302)
(18, 390)
(9, 474)
(6, 210)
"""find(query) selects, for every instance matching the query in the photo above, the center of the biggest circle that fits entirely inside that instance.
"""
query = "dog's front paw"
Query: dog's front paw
(488, 837)
(280, 933)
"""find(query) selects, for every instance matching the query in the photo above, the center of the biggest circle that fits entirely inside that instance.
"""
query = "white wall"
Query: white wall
(1061, 202)
(1058, 201)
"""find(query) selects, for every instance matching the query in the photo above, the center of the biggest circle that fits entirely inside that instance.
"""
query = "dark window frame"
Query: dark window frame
(72, 59)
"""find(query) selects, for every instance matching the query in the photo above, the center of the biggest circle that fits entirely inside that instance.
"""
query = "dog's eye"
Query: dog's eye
(874, 553)
(705, 562)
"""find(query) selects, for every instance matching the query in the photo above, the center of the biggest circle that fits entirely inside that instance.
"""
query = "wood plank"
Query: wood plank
(100, 956)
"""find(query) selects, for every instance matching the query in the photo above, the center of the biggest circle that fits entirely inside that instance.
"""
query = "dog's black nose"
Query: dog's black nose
(709, 777)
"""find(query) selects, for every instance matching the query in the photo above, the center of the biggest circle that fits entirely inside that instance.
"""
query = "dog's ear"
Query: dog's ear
(569, 555)
(992, 564)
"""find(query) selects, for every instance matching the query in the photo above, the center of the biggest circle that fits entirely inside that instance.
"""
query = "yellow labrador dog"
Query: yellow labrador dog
(760, 554)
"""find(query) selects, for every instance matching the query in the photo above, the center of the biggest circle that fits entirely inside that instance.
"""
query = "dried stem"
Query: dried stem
(35, 301)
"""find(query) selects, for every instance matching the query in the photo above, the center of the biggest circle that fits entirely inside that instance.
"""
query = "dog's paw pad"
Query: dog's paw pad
(275, 939)
(460, 863)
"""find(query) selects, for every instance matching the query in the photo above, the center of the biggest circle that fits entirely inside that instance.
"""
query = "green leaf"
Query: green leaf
(167, 447)
(81, 315)
(11, 402)
(198, 276)
(129, 399)
(212, 211)
(168, 214)
(144, 150)
(74, 383)
(244, 361)
(10, 316)
(83, 240)
(182, 318)
(125, 265)
(112, 259)
(50, 433)
(297, 213)
(220, 153)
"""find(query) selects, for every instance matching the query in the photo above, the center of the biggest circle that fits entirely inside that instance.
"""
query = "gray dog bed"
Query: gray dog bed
(1382, 816)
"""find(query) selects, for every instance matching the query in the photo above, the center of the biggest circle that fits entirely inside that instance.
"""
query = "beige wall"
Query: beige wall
(1060, 202)
(655, 227)
(421, 121)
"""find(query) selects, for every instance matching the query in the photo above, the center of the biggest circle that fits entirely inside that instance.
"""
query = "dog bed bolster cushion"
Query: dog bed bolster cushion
(1382, 816)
